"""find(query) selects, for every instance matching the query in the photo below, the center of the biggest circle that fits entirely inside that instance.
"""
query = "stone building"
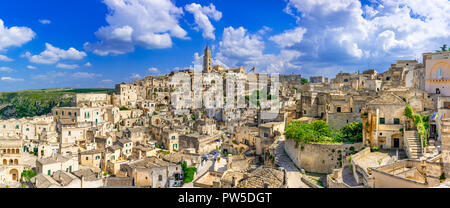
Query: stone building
(155, 173)
(437, 72)
(11, 157)
(383, 119)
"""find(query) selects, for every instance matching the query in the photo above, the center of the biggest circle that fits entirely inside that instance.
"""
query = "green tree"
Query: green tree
(188, 172)
(304, 81)
(315, 132)
(443, 48)
(408, 111)
(28, 174)
(353, 131)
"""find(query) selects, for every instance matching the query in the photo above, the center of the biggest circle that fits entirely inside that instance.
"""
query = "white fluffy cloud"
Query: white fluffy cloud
(53, 54)
(14, 36)
(147, 23)
(238, 45)
(67, 66)
(135, 76)
(31, 67)
(78, 75)
(11, 79)
(241, 48)
(201, 17)
(289, 37)
(153, 70)
(5, 58)
(6, 69)
(347, 33)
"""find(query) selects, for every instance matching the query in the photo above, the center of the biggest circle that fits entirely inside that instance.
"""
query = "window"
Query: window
(266, 135)
(28, 129)
(381, 120)
(338, 109)
(17, 126)
(440, 74)
(44, 129)
(304, 111)
(97, 157)
(160, 177)
(49, 172)
(173, 137)
(87, 158)
(396, 121)
(69, 113)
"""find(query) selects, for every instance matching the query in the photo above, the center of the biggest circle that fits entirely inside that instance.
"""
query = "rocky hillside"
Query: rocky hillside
(28, 103)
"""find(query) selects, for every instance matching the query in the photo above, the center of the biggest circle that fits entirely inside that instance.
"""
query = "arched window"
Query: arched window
(16, 162)
(440, 74)
(11, 161)
(5, 162)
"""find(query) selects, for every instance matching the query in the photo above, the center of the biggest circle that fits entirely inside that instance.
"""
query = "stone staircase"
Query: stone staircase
(414, 146)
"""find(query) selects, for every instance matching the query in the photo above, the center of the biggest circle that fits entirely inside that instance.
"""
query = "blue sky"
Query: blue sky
(98, 43)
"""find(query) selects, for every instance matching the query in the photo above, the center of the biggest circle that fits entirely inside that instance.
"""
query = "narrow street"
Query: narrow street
(283, 160)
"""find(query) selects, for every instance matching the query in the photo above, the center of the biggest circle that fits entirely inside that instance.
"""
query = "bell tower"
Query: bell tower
(207, 61)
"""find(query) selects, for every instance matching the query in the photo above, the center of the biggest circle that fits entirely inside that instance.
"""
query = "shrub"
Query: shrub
(123, 108)
(442, 177)
(28, 174)
(188, 172)
(408, 111)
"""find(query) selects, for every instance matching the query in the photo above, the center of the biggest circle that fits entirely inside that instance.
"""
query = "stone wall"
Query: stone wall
(339, 120)
(319, 158)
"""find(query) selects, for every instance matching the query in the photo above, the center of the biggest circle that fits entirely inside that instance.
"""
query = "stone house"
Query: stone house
(126, 145)
(91, 158)
(54, 163)
(383, 120)
(154, 172)
(11, 156)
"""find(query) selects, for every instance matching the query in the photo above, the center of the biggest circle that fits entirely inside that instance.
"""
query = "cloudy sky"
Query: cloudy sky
(97, 43)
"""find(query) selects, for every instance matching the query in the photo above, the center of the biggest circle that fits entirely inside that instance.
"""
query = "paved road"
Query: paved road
(347, 177)
(293, 173)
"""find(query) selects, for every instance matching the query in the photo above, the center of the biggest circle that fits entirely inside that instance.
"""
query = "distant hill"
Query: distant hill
(27, 103)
